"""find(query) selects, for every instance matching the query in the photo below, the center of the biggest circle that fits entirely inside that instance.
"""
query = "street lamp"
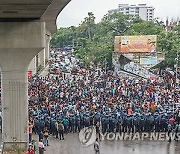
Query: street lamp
(105, 66)
(105, 61)
(177, 59)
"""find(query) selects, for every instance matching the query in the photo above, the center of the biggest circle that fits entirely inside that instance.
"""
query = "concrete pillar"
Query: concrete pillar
(32, 66)
(19, 43)
(41, 57)
(48, 38)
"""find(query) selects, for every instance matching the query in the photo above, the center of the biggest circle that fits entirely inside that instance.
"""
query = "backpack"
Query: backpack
(60, 127)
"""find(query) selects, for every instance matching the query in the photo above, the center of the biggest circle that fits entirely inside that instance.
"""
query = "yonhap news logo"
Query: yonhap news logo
(87, 136)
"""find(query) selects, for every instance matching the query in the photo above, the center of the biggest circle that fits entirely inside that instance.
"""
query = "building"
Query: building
(141, 10)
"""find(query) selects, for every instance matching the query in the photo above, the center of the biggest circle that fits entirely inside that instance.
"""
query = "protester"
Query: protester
(41, 147)
(96, 147)
(31, 149)
(30, 127)
(41, 136)
(115, 103)
(61, 130)
(98, 130)
(46, 135)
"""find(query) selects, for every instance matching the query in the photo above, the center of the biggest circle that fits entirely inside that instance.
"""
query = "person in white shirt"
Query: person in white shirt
(41, 147)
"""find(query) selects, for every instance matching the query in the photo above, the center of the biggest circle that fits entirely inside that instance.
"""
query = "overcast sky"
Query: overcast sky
(77, 10)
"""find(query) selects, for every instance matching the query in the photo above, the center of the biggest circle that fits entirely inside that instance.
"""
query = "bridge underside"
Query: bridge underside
(24, 27)
(26, 10)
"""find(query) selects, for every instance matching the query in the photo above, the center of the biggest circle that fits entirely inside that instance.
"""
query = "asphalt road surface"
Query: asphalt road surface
(72, 145)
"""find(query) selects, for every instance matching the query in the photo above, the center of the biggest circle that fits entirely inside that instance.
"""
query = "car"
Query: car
(65, 70)
(67, 61)
(74, 70)
(56, 65)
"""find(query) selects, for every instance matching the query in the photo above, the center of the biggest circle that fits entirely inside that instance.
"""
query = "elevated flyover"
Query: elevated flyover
(25, 28)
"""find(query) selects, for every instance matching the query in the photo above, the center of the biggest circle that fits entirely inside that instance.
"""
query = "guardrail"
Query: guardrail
(14, 147)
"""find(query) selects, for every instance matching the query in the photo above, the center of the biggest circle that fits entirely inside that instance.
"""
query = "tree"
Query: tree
(63, 37)
(97, 40)
(116, 24)
(145, 28)
(86, 28)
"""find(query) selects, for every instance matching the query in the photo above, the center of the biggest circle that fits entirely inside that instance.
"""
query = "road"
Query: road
(71, 145)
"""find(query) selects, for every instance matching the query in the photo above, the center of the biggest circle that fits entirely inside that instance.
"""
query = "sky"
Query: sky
(77, 10)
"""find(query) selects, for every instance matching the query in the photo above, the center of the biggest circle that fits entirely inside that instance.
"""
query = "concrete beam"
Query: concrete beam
(46, 10)
(51, 13)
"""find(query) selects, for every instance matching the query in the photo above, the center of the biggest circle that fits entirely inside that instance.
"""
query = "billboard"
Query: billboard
(149, 61)
(135, 44)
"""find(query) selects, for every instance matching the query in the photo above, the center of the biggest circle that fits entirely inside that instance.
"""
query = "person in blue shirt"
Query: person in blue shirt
(96, 118)
(105, 123)
(170, 129)
(157, 122)
(125, 123)
(142, 123)
(78, 122)
(136, 123)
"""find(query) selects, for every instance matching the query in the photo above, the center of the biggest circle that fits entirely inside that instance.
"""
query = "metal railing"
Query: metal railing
(14, 147)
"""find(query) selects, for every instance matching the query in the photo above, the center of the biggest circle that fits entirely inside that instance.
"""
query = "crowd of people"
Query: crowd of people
(113, 103)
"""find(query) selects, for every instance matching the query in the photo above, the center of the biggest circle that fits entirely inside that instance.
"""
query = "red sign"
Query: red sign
(29, 74)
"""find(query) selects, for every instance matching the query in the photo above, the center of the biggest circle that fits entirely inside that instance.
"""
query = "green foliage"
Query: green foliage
(63, 37)
(39, 68)
(19, 151)
(169, 43)
(97, 40)
(144, 28)
(87, 27)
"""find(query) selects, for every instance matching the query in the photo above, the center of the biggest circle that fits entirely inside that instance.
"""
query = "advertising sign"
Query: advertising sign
(135, 44)
(148, 61)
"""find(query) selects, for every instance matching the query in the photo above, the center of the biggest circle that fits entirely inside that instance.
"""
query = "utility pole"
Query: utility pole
(177, 59)
(73, 42)
(105, 66)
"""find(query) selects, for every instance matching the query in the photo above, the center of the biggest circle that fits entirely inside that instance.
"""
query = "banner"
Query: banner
(149, 61)
(135, 44)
